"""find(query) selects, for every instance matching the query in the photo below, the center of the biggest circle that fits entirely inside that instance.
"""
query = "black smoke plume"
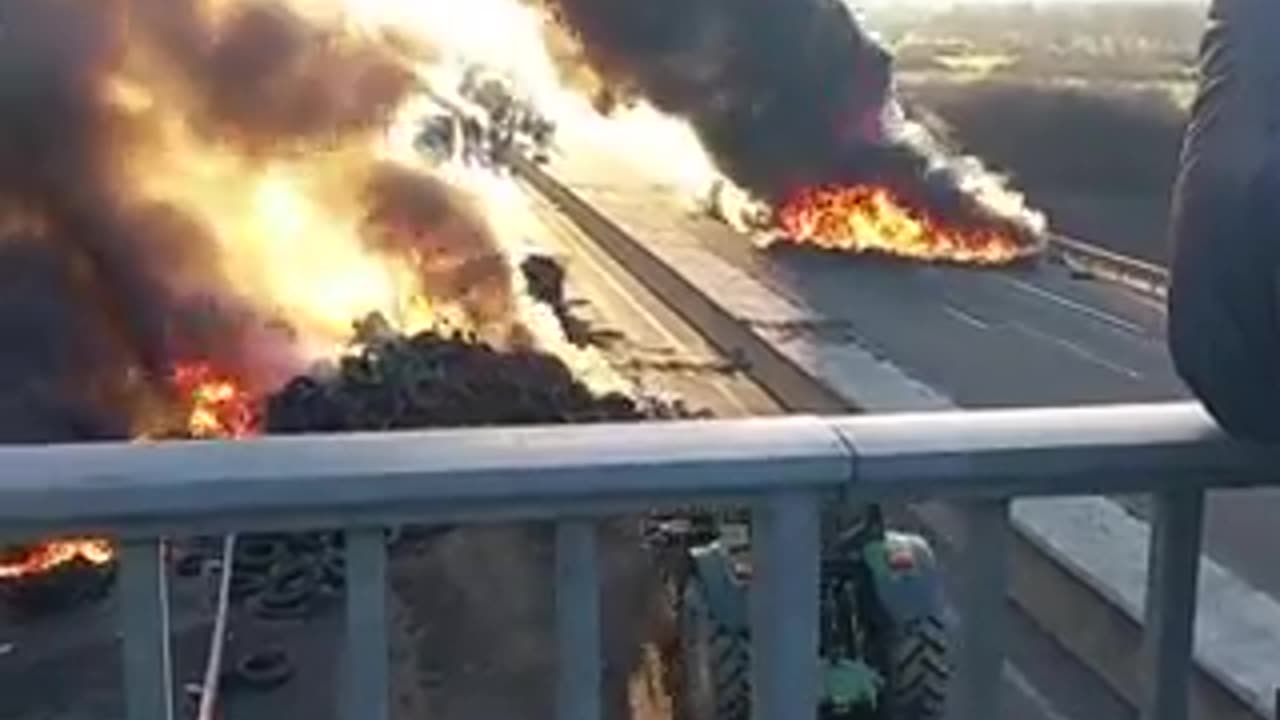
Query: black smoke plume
(102, 291)
(784, 94)
(264, 74)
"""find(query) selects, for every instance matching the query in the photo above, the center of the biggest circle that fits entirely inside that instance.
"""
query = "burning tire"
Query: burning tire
(56, 575)
(57, 590)
(920, 670)
(715, 662)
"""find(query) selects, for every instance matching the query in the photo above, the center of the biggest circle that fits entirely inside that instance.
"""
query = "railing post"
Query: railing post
(144, 619)
(1172, 576)
(784, 606)
(367, 647)
(577, 593)
(984, 580)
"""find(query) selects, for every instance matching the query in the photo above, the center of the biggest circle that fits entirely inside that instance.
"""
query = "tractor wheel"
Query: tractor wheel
(715, 663)
(920, 670)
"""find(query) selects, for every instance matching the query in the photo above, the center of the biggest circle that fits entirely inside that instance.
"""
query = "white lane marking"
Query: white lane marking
(1156, 306)
(1015, 679)
(1079, 307)
(1080, 350)
(965, 317)
(1022, 685)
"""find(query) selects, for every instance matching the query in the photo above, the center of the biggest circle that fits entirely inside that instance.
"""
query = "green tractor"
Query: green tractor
(882, 641)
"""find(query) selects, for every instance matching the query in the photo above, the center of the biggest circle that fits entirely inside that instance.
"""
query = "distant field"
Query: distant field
(1100, 163)
(1178, 92)
(1084, 109)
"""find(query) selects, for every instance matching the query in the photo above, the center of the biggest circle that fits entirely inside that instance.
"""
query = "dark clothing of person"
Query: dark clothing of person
(1224, 323)
(1224, 295)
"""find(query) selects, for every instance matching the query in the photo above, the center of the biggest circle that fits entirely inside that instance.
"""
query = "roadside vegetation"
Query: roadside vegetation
(1082, 104)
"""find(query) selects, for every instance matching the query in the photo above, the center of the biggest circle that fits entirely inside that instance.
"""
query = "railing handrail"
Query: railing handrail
(1142, 276)
(144, 488)
(144, 492)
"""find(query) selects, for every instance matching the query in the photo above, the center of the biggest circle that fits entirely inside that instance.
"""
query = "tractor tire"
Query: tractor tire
(715, 663)
(920, 670)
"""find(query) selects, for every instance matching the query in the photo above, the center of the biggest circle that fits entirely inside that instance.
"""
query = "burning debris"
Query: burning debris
(54, 575)
(544, 280)
(23, 562)
(217, 406)
(794, 102)
(208, 404)
(869, 218)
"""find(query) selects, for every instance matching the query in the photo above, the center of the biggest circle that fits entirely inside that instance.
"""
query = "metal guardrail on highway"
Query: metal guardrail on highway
(1138, 275)
(786, 467)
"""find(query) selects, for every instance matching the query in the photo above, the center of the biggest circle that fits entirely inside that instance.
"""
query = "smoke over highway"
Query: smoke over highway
(786, 95)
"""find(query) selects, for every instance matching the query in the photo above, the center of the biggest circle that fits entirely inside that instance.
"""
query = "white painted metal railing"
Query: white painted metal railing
(571, 475)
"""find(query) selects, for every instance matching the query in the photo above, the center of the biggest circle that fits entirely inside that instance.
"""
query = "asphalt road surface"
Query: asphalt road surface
(1023, 336)
(1041, 683)
(985, 338)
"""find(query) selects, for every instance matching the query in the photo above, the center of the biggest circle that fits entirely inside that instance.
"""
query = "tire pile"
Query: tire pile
(431, 380)
(393, 381)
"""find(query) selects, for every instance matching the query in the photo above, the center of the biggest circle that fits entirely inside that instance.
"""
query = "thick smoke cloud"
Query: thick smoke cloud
(260, 72)
(57, 344)
(450, 247)
(777, 89)
(784, 94)
(102, 290)
(76, 297)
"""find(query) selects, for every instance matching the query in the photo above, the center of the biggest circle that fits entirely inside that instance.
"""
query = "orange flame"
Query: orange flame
(47, 556)
(867, 218)
(217, 405)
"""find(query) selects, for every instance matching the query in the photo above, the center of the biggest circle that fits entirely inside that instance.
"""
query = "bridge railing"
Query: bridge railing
(785, 468)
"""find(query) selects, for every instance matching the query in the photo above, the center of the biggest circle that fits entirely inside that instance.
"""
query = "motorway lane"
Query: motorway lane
(67, 665)
(994, 338)
(1042, 681)
(650, 344)
(985, 338)
(1032, 335)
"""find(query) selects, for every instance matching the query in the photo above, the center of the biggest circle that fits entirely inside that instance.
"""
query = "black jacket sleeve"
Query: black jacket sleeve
(1224, 321)
(1224, 324)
